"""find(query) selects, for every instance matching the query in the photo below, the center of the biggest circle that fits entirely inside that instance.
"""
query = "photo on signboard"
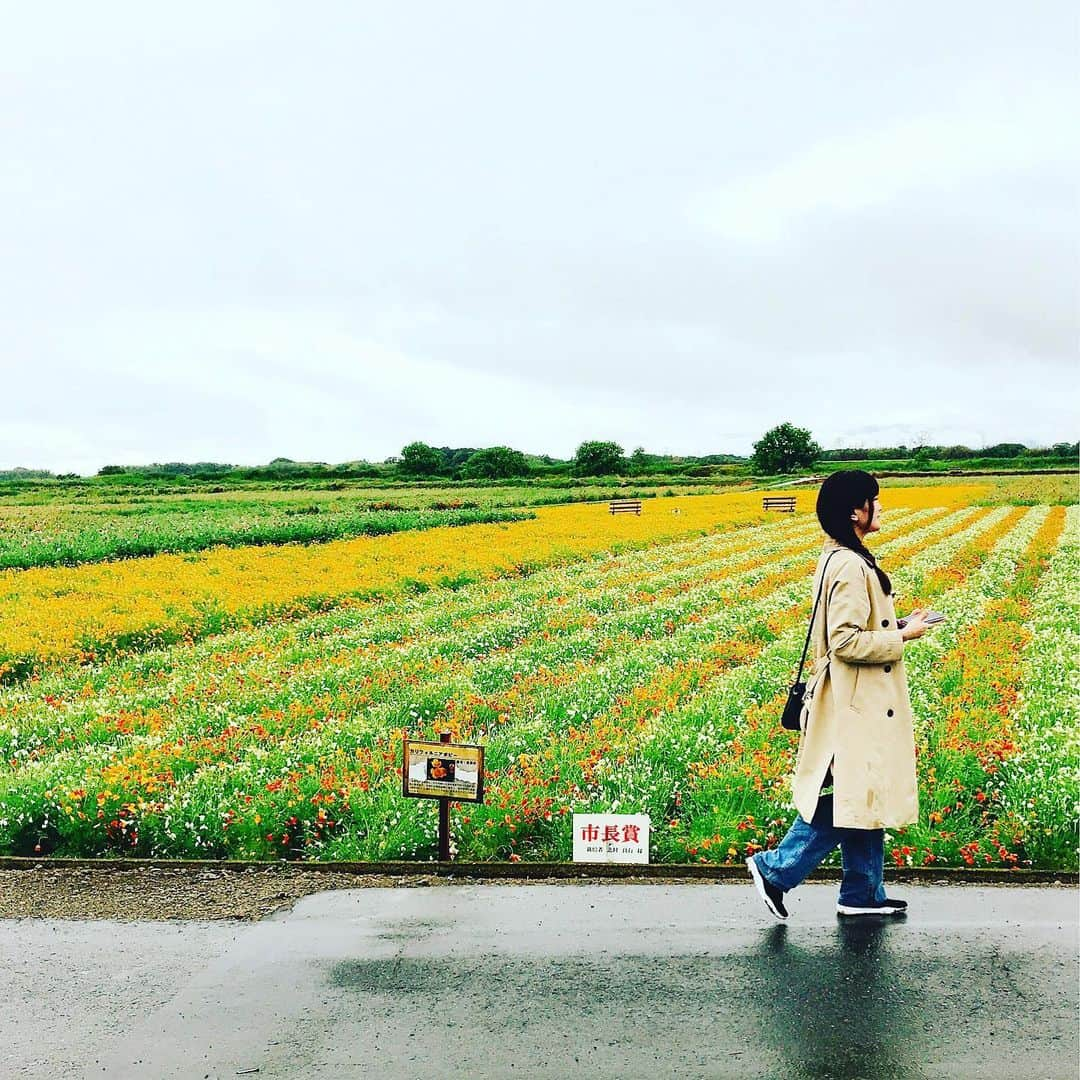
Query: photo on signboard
(440, 769)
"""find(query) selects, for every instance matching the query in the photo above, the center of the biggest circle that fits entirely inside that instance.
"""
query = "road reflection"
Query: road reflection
(839, 1010)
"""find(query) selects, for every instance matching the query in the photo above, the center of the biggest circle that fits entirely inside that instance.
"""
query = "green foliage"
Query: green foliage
(783, 449)
(598, 459)
(640, 462)
(495, 463)
(1000, 453)
(419, 459)
(19, 473)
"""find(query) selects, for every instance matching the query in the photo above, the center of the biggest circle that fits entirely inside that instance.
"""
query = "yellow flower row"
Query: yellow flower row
(59, 613)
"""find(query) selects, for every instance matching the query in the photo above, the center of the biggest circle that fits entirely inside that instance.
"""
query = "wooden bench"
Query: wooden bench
(625, 506)
(784, 503)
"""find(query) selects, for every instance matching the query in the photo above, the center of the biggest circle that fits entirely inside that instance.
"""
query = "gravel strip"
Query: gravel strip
(163, 893)
(175, 893)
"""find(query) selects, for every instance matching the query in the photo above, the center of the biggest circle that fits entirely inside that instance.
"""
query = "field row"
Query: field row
(41, 536)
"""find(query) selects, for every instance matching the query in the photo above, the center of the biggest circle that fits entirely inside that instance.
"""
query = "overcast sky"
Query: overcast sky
(233, 231)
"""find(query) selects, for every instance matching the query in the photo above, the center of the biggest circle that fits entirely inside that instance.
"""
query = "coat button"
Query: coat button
(889, 713)
(884, 622)
(888, 667)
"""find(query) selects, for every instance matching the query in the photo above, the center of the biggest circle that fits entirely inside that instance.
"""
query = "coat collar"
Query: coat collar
(831, 544)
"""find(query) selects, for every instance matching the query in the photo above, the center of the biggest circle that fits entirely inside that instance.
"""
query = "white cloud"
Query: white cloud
(944, 152)
(245, 386)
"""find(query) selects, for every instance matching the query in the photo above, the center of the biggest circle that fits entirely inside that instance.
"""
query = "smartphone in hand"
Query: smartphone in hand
(932, 619)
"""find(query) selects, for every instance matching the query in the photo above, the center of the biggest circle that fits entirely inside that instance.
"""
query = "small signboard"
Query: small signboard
(443, 770)
(611, 838)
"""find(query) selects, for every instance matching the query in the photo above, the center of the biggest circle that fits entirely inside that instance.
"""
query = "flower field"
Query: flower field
(94, 521)
(250, 702)
(61, 536)
(84, 613)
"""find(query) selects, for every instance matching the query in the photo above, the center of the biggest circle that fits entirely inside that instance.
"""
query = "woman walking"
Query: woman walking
(855, 770)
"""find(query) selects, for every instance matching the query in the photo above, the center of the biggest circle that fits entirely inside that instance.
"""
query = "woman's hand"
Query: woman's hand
(915, 625)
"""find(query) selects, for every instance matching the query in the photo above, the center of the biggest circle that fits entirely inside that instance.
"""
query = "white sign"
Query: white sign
(611, 838)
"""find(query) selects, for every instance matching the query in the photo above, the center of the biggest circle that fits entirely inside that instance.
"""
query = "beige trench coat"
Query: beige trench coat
(857, 713)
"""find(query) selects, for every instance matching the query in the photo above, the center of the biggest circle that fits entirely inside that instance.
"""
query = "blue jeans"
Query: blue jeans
(806, 844)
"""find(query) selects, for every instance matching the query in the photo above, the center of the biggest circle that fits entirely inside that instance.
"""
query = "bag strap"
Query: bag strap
(813, 615)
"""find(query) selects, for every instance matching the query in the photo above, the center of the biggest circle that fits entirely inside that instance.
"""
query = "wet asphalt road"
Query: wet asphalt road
(555, 981)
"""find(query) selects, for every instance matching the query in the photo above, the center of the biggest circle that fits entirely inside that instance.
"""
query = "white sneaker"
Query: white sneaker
(877, 907)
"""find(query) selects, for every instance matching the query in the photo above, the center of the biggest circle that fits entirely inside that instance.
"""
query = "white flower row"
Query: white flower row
(963, 607)
(1041, 783)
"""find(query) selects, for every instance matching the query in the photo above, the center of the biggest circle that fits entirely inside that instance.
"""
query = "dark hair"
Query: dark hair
(842, 492)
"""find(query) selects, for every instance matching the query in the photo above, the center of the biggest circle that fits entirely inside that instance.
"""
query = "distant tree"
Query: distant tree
(419, 459)
(359, 468)
(784, 449)
(22, 473)
(722, 459)
(495, 463)
(110, 470)
(452, 459)
(640, 462)
(1003, 450)
(598, 459)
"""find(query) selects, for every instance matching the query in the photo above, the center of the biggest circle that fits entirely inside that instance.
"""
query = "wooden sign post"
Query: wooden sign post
(444, 814)
(449, 772)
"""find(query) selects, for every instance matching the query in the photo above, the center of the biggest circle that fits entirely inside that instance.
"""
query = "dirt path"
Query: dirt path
(166, 893)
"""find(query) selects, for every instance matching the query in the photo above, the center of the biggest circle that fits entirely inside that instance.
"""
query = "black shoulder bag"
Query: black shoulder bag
(794, 705)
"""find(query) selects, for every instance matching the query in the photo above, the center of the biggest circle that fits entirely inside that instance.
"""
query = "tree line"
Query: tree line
(783, 449)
